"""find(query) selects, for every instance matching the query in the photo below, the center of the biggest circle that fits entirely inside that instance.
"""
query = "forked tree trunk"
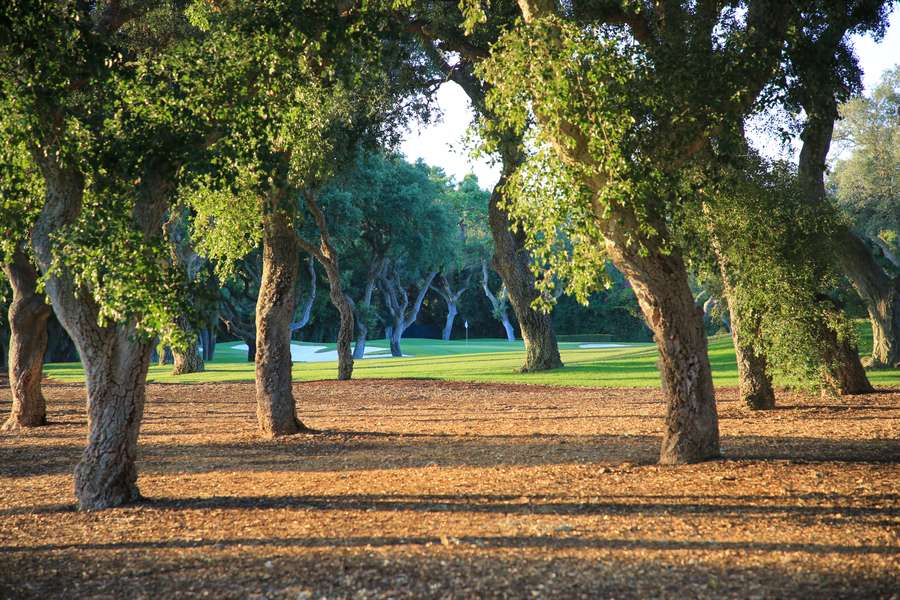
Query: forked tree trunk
(660, 282)
(115, 357)
(28, 315)
(402, 314)
(512, 262)
(276, 409)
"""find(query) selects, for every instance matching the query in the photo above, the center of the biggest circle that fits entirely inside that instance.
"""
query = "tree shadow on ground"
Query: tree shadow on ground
(337, 450)
(474, 567)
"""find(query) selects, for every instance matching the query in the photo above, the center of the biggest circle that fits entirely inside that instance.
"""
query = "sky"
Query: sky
(443, 143)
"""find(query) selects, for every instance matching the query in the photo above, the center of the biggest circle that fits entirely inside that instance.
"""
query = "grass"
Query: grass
(481, 360)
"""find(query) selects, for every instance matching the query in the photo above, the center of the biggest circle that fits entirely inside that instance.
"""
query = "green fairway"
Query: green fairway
(485, 360)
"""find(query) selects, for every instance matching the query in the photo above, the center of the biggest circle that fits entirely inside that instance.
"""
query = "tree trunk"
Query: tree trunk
(116, 375)
(754, 382)
(395, 344)
(191, 360)
(115, 357)
(345, 331)
(359, 350)
(28, 315)
(276, 409)
(452, 311)
(507, 327)
(844, 372)
(879, 292)
(512, 261)
(660, 282)
(211, 347)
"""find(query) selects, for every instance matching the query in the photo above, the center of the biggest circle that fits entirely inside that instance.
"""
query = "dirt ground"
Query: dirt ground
(422, 489)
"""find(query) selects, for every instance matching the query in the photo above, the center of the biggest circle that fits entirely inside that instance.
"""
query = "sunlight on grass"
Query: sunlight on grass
(479, 360)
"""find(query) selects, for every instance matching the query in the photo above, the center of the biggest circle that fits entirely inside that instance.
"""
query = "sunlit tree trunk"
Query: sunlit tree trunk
(276, 409)
(660, 282)
(115, 357)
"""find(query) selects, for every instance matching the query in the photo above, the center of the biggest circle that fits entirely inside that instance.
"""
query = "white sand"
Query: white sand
(604, 345)
(312, 353)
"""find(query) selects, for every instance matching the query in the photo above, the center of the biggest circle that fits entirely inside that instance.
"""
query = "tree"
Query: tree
(72, 73)
(822, 70)
(468, 202)
(866, 187)
(395, 230)
(456, 55)
(620, 101)
(28, 312)
(322, 82)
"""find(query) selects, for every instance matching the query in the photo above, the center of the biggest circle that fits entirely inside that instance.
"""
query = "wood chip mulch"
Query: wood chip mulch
(424, 489)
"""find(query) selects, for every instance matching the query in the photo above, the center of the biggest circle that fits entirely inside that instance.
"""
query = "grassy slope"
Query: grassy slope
(481, 360)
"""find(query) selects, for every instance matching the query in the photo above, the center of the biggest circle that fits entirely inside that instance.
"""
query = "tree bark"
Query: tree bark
(513, 263)
(345, 330)
(451, 299)
(452, 311)
(115, 357)
(511, 259)
(276, 409)
(189, 360)
(28, 316)
(660, 282)
(375, 269)
(879, 292)
(183, 257)
(843, 371)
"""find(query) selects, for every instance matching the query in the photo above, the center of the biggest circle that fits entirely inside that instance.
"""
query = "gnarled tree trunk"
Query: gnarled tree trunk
(326, 254)
(276, 409)
(660, 282)
(115, 357)
(28, 315)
